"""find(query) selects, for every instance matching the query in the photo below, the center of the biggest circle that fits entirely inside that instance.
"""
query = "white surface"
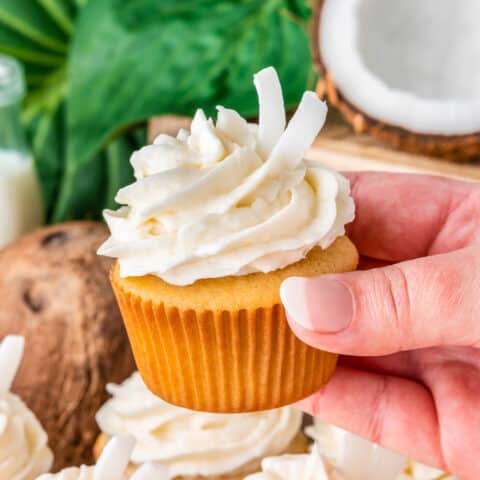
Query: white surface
(409, 63)
(20, 197)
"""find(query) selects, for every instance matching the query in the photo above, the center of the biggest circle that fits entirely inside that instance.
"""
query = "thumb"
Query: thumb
(420, 303)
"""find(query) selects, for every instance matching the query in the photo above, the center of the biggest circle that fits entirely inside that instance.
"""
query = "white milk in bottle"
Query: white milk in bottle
(20, 196)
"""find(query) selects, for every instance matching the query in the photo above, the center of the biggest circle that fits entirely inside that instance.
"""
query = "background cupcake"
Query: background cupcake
(24, 452)
(216, 220)
(359, 458)
(297, 467)
(193, 444)
(112, 465)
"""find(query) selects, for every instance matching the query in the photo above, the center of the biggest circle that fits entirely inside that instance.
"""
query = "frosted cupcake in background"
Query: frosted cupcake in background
(24, 452)
(192, 444)
(297, 467)
(217, 218)
(112, 465)
(359, 459)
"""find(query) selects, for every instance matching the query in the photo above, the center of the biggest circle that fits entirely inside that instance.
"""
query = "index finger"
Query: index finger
(405, 216)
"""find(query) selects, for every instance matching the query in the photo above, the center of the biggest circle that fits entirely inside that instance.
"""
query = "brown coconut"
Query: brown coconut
(459, 148)
(55, 291)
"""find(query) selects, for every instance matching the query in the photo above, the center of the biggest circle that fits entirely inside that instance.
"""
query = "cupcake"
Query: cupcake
(358, 458)
(196, 445)
(112, 465)
(217, 218)
(24, 452)
(296, 467)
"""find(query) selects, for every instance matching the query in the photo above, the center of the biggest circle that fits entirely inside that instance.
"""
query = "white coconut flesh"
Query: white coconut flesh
(414, 64)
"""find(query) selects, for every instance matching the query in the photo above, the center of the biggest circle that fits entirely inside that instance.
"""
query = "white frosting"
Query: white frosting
(229, 198)
(24, 452)
(339, 447)
(147, 471)
(193, 443)
(72, 473)
(112, 465)
(295, 467)
(328, 439)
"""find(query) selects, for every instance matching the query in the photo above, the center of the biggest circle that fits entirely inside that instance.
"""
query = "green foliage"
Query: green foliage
(97, 70)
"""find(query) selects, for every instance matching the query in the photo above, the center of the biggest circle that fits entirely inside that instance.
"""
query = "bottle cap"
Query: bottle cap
(12, 80)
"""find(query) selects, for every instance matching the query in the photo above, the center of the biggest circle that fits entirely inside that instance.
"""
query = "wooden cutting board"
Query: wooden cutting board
(338, 147)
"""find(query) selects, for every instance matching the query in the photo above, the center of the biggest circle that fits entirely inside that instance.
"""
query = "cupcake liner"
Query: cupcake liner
(221, 361)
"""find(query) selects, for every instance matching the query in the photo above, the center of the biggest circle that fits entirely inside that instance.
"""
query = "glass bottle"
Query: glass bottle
(20, 196)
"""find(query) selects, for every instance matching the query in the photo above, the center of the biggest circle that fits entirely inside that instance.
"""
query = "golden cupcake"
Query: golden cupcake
(217, 218)
(195, 445)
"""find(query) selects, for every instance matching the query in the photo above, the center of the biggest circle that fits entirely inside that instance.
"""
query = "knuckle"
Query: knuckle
(392, 300)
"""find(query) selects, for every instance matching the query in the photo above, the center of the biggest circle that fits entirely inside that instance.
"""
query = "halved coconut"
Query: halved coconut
(406, 72)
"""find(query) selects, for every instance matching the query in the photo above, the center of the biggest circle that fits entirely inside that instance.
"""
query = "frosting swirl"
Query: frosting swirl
(229, 198)
(72, 473)
(112, 465)
(295, 467)
(193, 443)
(24, 453)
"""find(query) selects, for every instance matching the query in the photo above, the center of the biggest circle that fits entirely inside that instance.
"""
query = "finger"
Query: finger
(416, 304)
(455, 386)
(404, 216)
(393, 412)
(366, 263)
(404, 364)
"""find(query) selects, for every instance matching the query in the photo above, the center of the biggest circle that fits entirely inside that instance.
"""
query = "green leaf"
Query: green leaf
(61, 11)
(94, 185)
(119, 171)
(46, 135)
(27, 18)
(151, 57)
(15, 44)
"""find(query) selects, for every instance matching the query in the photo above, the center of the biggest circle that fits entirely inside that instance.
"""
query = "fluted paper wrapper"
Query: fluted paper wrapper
(221, 361)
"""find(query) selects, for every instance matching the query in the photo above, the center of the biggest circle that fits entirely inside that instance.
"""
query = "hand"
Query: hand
(410, 328)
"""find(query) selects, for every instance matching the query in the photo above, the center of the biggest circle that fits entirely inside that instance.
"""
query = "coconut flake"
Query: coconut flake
(115, 458)
(272, 121)
(299, 135)
(151, 471)
(236, 127)
(359, 459)
(387, 464)
(312, 462)
(11, 353)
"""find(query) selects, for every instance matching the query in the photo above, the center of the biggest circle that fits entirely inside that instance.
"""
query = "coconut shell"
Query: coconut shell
(459, 148)
(55, 291)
